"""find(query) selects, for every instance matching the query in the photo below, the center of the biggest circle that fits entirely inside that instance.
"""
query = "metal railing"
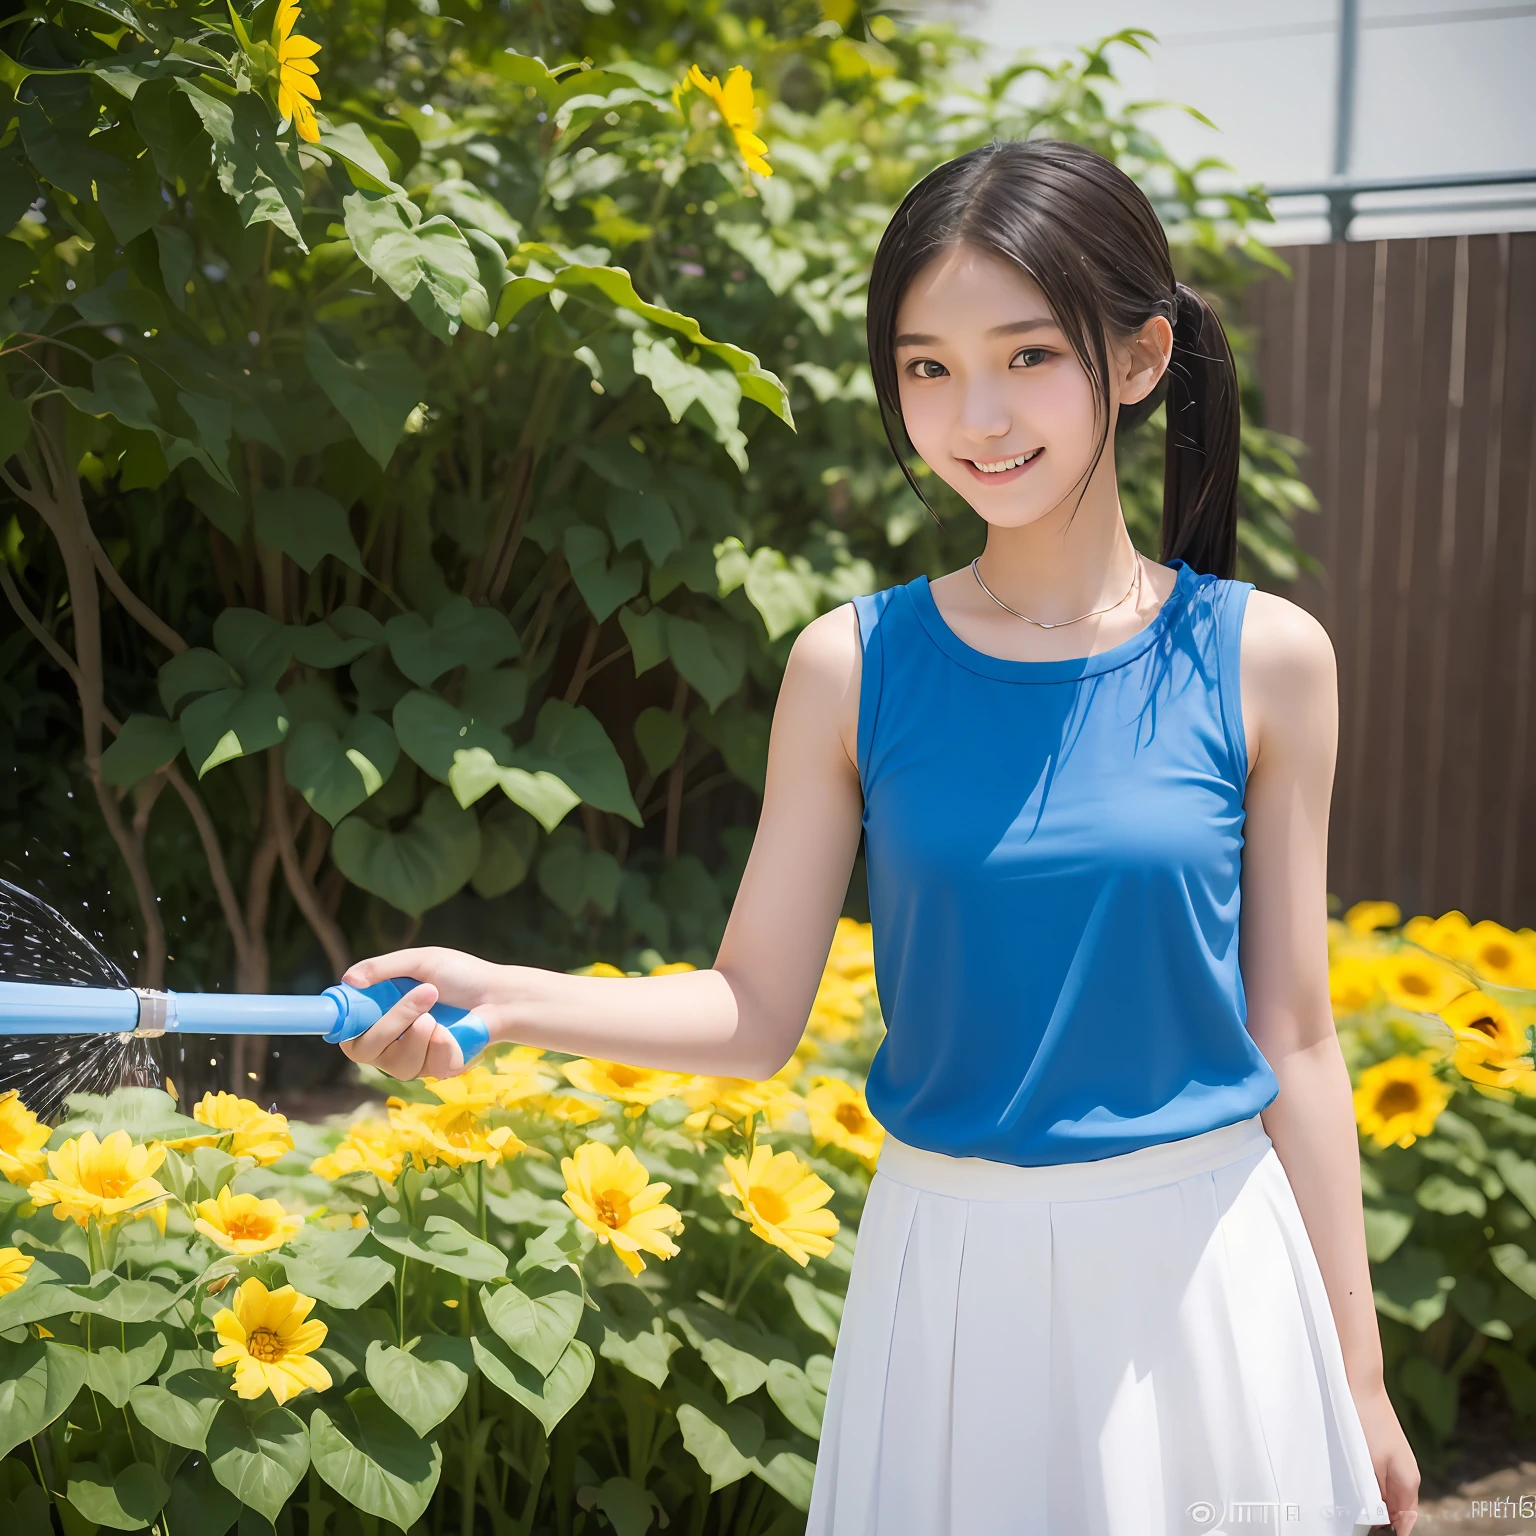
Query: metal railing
(1340, 193)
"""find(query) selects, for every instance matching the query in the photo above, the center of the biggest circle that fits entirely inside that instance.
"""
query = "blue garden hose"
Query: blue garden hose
(339, 1013)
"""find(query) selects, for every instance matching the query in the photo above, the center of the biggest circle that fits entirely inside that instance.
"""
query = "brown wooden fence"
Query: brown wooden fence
(1407, 368)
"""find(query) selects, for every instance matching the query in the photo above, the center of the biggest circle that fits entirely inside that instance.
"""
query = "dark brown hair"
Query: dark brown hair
(1089, 238)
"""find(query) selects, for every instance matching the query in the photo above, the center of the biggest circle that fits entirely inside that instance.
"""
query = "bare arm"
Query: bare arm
(745, 1015)
(1290, 693)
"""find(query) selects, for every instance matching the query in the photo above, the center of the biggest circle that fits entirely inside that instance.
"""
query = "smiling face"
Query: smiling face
(994, 398)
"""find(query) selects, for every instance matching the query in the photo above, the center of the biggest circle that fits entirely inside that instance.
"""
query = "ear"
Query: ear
(1144, 360)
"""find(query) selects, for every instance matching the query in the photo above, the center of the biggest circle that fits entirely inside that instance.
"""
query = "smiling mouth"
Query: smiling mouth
(1003, 466)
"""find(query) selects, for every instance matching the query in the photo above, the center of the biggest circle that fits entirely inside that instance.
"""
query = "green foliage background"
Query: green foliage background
(404, 533)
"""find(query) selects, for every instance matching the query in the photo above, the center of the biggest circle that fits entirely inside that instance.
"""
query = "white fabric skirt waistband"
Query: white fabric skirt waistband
(981, 1178)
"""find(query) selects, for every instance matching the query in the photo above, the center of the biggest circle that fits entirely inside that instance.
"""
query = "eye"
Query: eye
(918, 366)
(1032, 356)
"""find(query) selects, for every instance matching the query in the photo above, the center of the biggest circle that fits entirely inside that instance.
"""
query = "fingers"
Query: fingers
(444, 1058)
(416, 963)
(401, 1037)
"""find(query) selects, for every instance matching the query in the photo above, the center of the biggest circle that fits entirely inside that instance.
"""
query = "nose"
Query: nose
(984, 415)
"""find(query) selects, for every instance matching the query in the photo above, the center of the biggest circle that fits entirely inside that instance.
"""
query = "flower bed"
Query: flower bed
(556, 1294)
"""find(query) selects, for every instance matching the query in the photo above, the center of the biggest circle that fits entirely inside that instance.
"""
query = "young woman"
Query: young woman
(1110, 1278)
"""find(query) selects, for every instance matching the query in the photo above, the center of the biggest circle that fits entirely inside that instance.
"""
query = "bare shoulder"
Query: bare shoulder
(1289, 670)
(823, 673)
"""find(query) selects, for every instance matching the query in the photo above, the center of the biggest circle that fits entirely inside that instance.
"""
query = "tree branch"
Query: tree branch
(324, 926)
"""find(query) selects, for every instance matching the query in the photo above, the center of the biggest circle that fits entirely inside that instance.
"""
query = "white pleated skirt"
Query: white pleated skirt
(1139, 1345)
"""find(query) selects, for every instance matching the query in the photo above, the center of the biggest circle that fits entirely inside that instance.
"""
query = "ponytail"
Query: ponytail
(1204, 435)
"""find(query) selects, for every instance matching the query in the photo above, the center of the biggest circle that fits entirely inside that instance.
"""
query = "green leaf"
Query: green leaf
(375, 394)
(459, 634)
(660, 736)
(801, 1402)
(255, 644)
(1514, 1263)
(1385, 1230)
(307, 524)
(234, 722)
(647, 636)
(627, 1506)
(783, 593)
(538, 1317)
(182, 1410)
(374, 1461)
(602, 587)
(739, 1354)
(423, 1384)
(337, 772)
(1412, 1286)
(433, 732)
(259, 1453)
(742, 736)
(681, 384)
(346, 634)
(38, 1382)
(325, 1264)
(819, 1310)
(127, 1502)
(197, 1502)
(573, 875)
(1450, 1197)
(547, 1398)
(124, 1301)
(634, 1334)
(442, 1243)
(497, 697)
(426, 261)
(545, 796)
(418, 868)
(145, 745)
(723, 1439)
(634, 515)
(351, 145)
(195, 671)
(787, 1473)
(570, 742)
(713, 661)
(508, 838)
(1518, 1173)
(114, 1373)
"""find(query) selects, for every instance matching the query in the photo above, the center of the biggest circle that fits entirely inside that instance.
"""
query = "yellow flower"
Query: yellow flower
(1353, 983)
(370, 1146)
(721, 1102)
(268, 1341)
(470, 1092)
(1446, 935)
(250, 1130)
(1399, 1100)
(567, 1108)
(673, 968)
(14, 1265)
(296, 69)
(1415, 981)
(1496, 953)
(734, 101)
(612, 1193)
(1367, 916)
(520, 1077)
(781, 1200)
(634, 1086)
(104, 1179)
(839, 1113)
(1491, 1047)
(444, 1133)
(244, 1224)
(22, 1139)
(599, 968)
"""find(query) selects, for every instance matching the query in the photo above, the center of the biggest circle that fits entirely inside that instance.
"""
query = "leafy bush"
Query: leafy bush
(403, 488)
(1435, 1019)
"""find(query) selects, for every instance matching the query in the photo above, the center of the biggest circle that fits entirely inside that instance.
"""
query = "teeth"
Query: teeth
(1005, 464)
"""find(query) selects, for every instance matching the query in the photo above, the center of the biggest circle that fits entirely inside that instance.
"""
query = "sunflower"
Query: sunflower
(1353, 984)
(566, 1107)
(22, 1139)
(296, 70)
(1446, 935)
(1399, 1100)
(1417, 982)
(1500, 956)
(370, 1146)
(444, 1133)
(781, 1200)
(635, 1087)
(734, 102)
(1367, 916)
(268, 1341)
(14, 1265)
(611, 1192)
(244, 1224)
(720, 1102)
(470, 1092)
(1490, 1046)
(105, 1179)
(522, 1077)
(839, 1113)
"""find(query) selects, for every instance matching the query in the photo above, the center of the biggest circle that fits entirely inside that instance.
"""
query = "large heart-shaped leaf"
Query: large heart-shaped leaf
(234, 722)
(38, 1382)
(602, 586)
(537, 1316)
(432, 731)
(126, 1502)
(376, 1462)
(337, 771)
(423, 1384)
(442, 1243)
(458, 635)
(324, 1263)
(374, 393)
(145, 745)
(415, 869)
(259, 1453)
(183, 1409)
(114, 1372)
(548, 1398)
(305, 523)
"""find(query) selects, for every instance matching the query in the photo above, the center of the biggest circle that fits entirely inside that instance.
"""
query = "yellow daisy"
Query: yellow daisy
(611, 1192)
(105, 1179)
(443, 1133)
(1490, 1045)
(1418, 982)
(14, 1265)
(1446, 935)
(244, 1224)
(839, 1114)
(269, 1342)
(521, 1076)
(370, 1146)
(734, 101)
(1499, 955)
(296, 71)
(1367, 916)
(721, 1102)
(567, 1108)
(781, 1200)
(1399, 1100)
(245, 1127)
(22, 1140)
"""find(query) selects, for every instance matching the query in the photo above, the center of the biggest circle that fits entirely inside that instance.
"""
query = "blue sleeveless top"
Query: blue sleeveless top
(1054, 851)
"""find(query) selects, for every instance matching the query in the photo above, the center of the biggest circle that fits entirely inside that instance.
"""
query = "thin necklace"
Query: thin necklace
(1134, 586)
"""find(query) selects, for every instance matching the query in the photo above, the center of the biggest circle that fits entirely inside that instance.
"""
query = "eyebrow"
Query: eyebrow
(1012, 328)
